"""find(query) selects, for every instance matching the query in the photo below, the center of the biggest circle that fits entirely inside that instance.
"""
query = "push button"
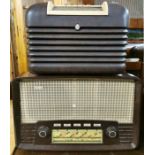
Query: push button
(67, 125)
(76, 124)
(97, 125)
(57, 125)
(87, 125)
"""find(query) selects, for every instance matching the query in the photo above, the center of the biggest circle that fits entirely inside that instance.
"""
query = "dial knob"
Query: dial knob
(111, 132)
(77, 27)
(43, 131)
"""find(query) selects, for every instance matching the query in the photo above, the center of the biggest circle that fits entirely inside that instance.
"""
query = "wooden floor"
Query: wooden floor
(140, 151)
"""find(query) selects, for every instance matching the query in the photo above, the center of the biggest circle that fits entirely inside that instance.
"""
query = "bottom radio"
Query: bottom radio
(77, 113)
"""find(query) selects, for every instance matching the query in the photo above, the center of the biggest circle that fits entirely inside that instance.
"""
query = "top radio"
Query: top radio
(77, 40)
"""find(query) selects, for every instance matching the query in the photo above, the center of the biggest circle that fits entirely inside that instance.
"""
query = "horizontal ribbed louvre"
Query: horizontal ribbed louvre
(72, 59)
(73, 48)
(83, 30)
(77, 36)
(54, 46)
(84, 54)
(27, 133)
(126, 133)
(75, 42)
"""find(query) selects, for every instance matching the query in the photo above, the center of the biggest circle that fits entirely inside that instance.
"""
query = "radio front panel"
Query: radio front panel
(76, 132)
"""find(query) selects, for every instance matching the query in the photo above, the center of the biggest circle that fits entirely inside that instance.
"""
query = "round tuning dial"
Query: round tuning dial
(77, 27)
(111, 132)
(43, 131)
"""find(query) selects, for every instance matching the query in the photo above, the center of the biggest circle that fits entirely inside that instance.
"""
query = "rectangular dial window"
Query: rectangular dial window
(77, 136)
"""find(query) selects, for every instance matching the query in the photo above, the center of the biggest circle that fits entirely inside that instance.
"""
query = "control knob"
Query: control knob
(43, 131)
(111, 132)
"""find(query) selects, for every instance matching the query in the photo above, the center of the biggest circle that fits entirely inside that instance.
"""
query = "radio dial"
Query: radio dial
(111, 132)
(77, 27)
(43, 131)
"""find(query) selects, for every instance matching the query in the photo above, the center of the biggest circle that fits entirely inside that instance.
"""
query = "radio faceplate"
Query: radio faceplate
(76, 132)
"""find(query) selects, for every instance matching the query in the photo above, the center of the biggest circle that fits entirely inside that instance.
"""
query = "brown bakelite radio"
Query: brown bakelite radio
(78, 106)
(77, 113)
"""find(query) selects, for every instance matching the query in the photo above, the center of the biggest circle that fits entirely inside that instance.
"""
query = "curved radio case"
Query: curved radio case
(78, 42)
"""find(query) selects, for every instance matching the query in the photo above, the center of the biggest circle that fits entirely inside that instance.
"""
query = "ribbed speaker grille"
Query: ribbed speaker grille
(51, 49)
(50, 45)
(77, 99)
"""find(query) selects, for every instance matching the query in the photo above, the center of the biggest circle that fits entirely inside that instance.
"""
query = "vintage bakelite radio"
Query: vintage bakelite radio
(77, 40)
(77, 106)
(77, 112)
